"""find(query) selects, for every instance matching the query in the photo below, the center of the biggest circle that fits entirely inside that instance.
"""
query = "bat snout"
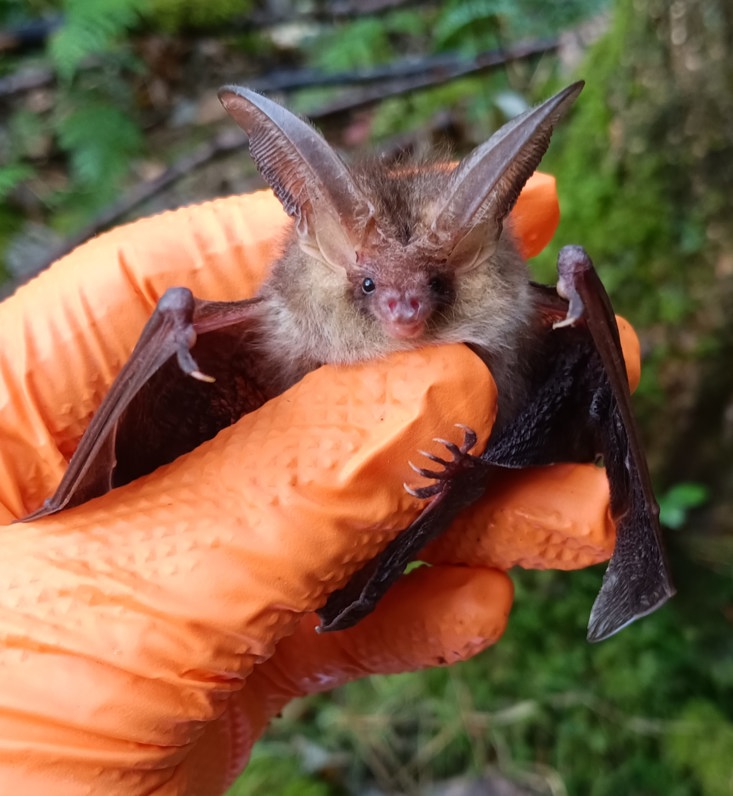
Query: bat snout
(403, 316)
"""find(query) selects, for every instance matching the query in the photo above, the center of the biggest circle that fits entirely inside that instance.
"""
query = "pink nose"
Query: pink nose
(404, 309)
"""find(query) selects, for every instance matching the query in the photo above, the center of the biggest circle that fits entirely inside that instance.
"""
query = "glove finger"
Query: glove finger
(434, 616)
(536, 214)
(546, 518)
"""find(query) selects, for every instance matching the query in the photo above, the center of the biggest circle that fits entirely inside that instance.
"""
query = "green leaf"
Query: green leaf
(363, 43)
(470, 25)
(675, 504)
(90, 27)
(100, 139)
(13, 175)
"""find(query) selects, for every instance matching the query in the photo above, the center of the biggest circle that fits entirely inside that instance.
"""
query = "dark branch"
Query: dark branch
(430, 68)
(438, 75)
(229, 142)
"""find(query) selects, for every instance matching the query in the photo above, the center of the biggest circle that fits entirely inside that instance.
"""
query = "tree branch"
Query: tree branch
(416, 79)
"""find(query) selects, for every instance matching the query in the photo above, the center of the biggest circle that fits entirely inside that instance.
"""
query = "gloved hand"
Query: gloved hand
(147, 637)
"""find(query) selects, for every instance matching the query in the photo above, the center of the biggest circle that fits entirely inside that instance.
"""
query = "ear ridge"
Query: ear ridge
(486, 183)
(313, 184)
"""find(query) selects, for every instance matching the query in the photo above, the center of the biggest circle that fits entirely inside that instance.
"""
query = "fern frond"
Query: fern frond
(90, 27)
(100, 139)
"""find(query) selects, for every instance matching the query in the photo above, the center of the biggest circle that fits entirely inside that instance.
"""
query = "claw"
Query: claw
(425, 473)
(188, 365)
(469, 437)
(423, 492)
(434, 458)
(441, 477)
(197, 374)
(451, 447)
(411, 490)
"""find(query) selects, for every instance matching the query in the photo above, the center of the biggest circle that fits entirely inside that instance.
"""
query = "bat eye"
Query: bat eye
(438, 285)
(368, 285)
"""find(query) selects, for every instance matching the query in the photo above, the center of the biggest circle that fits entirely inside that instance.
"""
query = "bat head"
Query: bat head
(402, 242)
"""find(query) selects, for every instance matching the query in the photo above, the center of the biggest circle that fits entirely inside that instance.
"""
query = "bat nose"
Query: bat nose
(405, 309)
(403, 316)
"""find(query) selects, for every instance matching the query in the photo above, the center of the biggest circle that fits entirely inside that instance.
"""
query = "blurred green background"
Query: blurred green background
(108, 111)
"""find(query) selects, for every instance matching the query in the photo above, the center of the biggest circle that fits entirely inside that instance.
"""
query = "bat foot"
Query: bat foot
(461, 458)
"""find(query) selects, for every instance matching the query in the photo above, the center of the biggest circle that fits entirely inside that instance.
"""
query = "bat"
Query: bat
(381, 259)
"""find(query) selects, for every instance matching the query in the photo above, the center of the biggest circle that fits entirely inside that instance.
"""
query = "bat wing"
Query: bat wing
(187, 378)
(637, 580)
(579, 411)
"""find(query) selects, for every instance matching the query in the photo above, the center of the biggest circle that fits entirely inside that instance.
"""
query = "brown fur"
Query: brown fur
(312, 311)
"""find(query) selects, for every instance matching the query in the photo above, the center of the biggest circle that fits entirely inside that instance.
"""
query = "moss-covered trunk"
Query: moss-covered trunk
(650, 153)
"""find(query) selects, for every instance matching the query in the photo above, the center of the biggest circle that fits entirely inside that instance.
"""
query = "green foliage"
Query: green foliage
(623, 716)
(675, 503)
(621, 213)
(92, 119)
(360, 44)
(700, 743)
(276, 772)
(13, 175)
(95, 120)
(463, 25)
(471, 26)
(620, 197)
(26, 136)
(90, 27)
(101, 139)
(415, 111)
(175, 15)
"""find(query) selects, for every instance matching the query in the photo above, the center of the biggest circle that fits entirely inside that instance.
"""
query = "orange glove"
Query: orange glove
(147, 637)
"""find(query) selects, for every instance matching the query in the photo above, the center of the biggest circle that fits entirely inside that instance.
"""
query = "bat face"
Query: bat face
(406, 281)
(399, 283)
(402, 307)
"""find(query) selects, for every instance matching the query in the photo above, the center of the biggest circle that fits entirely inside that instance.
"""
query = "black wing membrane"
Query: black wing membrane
(186, 379)
(637, 580)
(580, 411)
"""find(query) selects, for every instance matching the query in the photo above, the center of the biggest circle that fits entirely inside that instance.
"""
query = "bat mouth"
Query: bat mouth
(405, 331)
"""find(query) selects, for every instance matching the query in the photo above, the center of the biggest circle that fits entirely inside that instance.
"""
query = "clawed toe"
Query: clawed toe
(460, 455)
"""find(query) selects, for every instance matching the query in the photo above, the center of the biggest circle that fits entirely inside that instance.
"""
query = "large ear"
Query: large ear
(486, 183)
(311, 181)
